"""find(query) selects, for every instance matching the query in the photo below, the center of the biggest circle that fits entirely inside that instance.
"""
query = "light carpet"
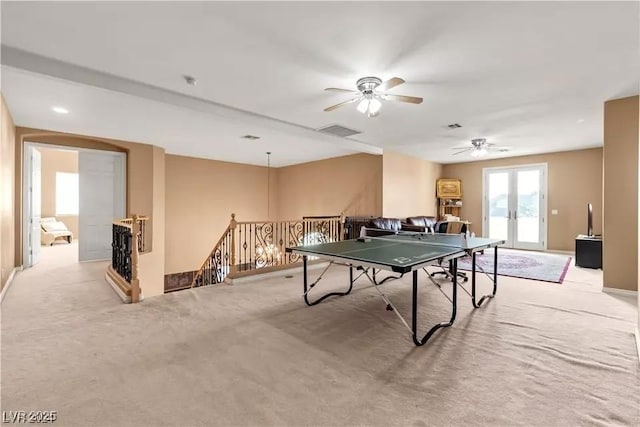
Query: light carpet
(254, 355)
(544, 266)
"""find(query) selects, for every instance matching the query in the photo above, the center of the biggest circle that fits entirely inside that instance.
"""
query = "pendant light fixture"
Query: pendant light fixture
(268, 185)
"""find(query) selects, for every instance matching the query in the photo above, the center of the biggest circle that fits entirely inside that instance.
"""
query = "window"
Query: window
(67, 193)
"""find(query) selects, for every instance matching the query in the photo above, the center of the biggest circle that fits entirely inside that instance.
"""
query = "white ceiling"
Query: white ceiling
(532, 76)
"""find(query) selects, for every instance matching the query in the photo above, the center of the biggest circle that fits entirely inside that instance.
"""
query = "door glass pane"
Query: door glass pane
(499, 205)
(528, 210)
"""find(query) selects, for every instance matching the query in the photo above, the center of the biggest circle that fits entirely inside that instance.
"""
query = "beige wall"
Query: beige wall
(620, 245)
(144, 197)
(408, 186)
(7, 199)
(350, 184)
(202, 194)
(54, 161)
(200, 197)
(153, 264)
(574, 179)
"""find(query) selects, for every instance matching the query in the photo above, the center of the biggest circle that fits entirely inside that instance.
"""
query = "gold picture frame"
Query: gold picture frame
(448, 188)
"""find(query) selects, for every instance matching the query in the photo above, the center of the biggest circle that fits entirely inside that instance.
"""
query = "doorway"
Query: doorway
(515, 205)
(71, 197)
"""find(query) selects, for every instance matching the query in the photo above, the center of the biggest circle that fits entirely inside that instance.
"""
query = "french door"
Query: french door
(515, 205)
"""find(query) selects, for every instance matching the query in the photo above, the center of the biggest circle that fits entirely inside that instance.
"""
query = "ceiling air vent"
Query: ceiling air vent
(338, 130)
(251, 137)
(454, 126)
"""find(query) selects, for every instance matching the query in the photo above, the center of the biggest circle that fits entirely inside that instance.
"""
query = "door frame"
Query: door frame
(26, 180)
(543, 203)
(27, 226)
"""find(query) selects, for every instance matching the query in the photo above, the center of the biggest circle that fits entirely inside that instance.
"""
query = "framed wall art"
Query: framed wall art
(448, 188)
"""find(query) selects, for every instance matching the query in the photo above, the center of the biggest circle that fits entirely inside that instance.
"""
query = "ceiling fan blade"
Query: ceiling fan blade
(337, 89)
(333, 107)
(403, 98)
(460, 152)
(392, 82)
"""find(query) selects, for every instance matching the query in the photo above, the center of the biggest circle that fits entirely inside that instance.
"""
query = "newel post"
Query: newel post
(232, 226)
(135, 282)
(341, 227)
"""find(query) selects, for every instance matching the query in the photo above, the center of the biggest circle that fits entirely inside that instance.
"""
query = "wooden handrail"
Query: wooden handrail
(140, 218)
(315, 218)
(128, 221)
(212, 252)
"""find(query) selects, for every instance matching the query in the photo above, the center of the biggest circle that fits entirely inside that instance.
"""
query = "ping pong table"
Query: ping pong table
(402, 252)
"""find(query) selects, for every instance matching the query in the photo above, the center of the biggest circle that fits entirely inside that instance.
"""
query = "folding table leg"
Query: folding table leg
(375, 280)
(414, 309)
(477, 304)
(308, 287)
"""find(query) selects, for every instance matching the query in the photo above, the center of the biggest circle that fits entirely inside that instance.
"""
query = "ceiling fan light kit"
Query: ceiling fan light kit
(479, 147)
(370, 106)
(478, 152)
(371, 93)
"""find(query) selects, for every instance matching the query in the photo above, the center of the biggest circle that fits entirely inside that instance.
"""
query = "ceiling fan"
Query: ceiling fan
(370, 93)
(479, 147)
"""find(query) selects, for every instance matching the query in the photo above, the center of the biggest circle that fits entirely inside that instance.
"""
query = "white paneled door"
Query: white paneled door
(514, 207)
(102, 200)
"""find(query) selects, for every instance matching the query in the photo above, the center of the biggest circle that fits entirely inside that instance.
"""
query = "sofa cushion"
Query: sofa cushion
(422, 221)
(387, 223)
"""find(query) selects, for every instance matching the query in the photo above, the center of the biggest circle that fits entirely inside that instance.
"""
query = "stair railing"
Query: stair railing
(247, 247)
(218, 264)
(126, 244)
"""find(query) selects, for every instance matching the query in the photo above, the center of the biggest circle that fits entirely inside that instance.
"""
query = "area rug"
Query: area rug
(526, 265)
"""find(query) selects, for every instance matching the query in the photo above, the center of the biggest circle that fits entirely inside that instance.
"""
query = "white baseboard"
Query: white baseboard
(637, 334)
(619, 291)
(9, 282)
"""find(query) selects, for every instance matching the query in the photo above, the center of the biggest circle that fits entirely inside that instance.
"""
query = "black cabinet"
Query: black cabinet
(589, 252)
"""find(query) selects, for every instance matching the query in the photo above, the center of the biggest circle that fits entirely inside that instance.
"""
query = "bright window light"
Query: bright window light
(67, 189)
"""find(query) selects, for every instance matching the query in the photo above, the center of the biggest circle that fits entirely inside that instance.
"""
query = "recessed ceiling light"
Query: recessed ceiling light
(454, 126)
(191, 81)
(580, 120)
(60, 110)
(251, 137)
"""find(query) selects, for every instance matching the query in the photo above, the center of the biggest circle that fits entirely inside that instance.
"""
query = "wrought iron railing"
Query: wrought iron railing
(127, 241)
(121, 250)
(253, 245)
(142, 227)
(217, 265)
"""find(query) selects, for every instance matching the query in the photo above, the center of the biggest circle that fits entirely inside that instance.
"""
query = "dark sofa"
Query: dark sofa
(423, 223)
(391, 225)
(387, 225)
